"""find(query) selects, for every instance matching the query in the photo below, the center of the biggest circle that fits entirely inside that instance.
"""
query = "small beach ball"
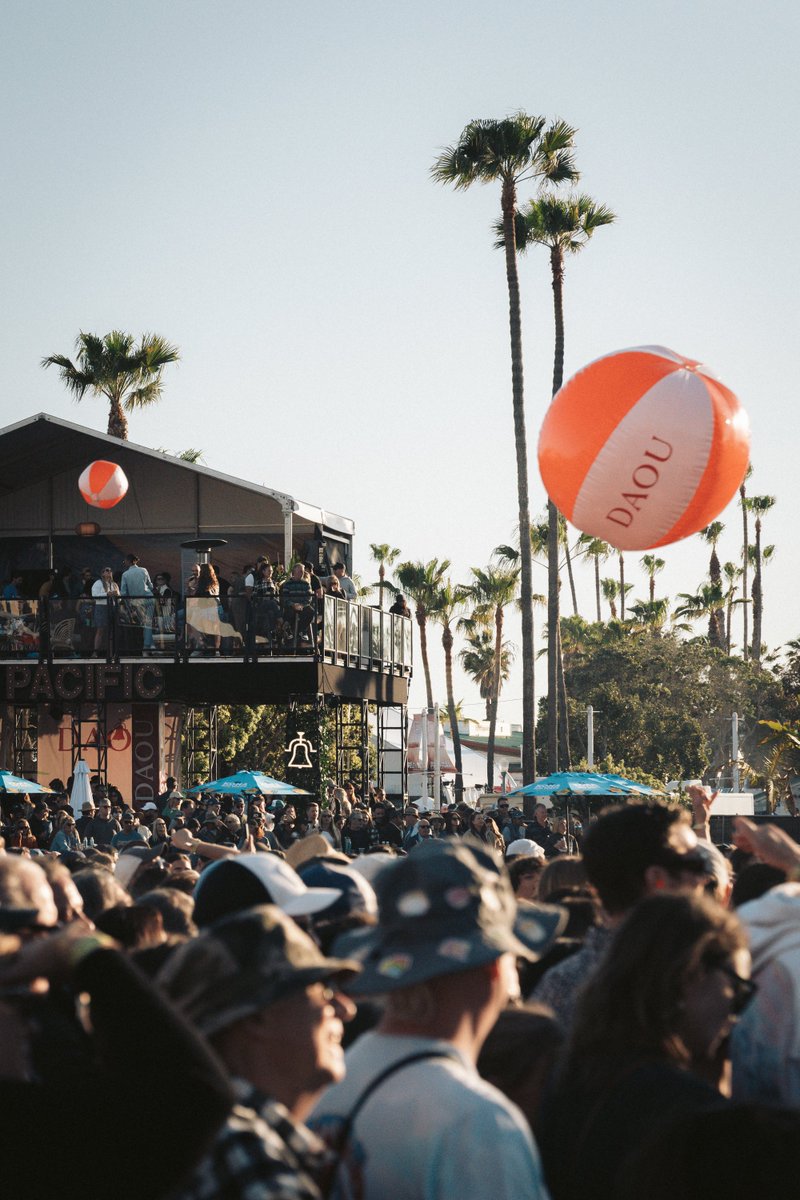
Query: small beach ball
(103, 484)
(643, 447)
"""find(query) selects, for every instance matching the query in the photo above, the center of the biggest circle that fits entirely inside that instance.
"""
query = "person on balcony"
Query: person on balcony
(345, 582)
(137, 584)
(297, 602)
(102, 588)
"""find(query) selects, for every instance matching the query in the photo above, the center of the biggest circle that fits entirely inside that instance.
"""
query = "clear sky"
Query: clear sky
(251, 180)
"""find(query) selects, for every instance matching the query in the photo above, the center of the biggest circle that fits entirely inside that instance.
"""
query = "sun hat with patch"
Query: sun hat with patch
(447, 907)
(312, 847)
(244, 963)
(233, 884)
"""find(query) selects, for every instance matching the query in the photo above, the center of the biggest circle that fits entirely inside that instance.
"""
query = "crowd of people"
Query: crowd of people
(261, 606)
(353, 999)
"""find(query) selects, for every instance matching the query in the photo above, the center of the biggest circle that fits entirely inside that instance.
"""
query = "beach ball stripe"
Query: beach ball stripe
(103, 484)
(643, 447)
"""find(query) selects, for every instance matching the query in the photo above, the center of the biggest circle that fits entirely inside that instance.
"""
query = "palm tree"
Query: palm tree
(384, 555)
(599, 550)
(706, 602)
(128, 376)
(732, 575)
(745, 560)
(623, 587)
(479, 661)
(563, 226)
(760, 505)
(447, 604)
(517, 149)
(652, 614)
(492, 590)
(711, 535)
(652, 566)
(422, 581)
(610, 589)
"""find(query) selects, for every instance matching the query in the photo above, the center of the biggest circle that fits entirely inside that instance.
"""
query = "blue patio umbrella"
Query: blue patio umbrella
(583, 783)
(249, 781)
(14, 783)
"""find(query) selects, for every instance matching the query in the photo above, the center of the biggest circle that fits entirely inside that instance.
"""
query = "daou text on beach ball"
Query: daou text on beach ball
(643, 447)
(103, 484)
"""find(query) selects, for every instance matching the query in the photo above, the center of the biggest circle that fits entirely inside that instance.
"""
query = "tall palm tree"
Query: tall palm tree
(129, 376)
(597, 549)
(745, 561)
(384, 555)
(652, 566)
(492, 590)
(732, 574)
(563, 225)
(449, 601)
(711, 535)
(760, 505)
(511, 151)
(422, 581)
(652, 614)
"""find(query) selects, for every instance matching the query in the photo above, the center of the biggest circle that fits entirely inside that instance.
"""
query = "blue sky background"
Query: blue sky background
(251, 181)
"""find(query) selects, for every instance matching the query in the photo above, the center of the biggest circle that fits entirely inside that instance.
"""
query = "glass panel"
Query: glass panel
(397, 640)
(386, 637)
(341, 626)
(366, 630)
(330, 623)
(375, 638)
(353, 621)
(19, 627)
(406, 641)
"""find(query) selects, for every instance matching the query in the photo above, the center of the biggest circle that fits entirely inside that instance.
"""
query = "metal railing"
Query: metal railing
(334, 630)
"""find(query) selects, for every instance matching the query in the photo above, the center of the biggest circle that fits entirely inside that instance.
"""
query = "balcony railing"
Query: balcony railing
(335, 630)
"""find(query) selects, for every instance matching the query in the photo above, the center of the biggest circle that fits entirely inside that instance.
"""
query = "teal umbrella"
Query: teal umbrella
(250, 781)
(14, 783)
(583, 783)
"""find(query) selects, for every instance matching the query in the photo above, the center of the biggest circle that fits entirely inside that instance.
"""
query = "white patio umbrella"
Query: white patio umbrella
(81, 791)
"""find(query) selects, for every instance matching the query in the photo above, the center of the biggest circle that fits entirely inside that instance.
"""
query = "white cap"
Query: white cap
(524, 846)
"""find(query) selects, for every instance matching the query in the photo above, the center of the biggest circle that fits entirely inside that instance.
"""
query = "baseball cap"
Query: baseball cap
(233, 884)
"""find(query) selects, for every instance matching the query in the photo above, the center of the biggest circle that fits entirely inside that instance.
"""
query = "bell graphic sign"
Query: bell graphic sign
(299, 751)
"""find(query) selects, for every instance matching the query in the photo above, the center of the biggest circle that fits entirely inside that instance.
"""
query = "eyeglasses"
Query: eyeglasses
(424, 826)
(743, 989)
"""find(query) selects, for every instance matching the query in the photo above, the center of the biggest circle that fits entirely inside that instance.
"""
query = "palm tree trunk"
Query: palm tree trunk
(557, 272)
(117, 421)
(621, 588)
(571, 577)
(745, 548)
(423, 649)
(447, 643)
(563, 713)
(381, 577)
(755, 651)
(498, 652)
(652, 586)
(597, 587)
(509, 206)
(728, 626)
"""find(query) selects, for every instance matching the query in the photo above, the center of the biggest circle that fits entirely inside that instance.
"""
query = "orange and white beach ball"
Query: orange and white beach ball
(103, 484)
(643, 447)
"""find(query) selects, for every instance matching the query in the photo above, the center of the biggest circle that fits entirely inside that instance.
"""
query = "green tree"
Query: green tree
(517, 149)
(760, 506)
(128, 375)
(492, 590)
(478, 659)
(422, 582)
(732, 574)
(745, 560)
(447, 604)
(650, 613)
(610, 589)
(384, 555)
(707, 602)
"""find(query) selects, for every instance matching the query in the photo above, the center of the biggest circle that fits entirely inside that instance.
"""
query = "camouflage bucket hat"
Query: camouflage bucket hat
(445, 908)
(244, 963)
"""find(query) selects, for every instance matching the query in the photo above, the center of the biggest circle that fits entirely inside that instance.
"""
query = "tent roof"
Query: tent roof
(30, 449)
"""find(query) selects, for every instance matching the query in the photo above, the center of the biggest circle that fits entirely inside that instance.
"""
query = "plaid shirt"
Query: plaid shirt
(260, 1153)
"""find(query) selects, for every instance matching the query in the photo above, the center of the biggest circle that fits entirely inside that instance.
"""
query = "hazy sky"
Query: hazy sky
(251, 180)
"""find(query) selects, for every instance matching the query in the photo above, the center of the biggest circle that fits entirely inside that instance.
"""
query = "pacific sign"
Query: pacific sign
(85, 681)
